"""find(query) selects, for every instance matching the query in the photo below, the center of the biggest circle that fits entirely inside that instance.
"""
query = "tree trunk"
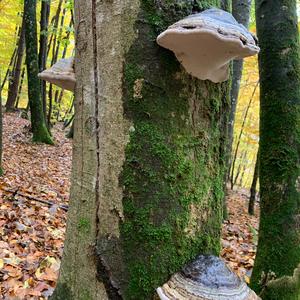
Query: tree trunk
(240, 136)
(241, 11)
(39, 129)
(251, 207)
(149, 154)
(279, 233)
(9, 68)
(16, 75)
(44, 21)
(20, 87)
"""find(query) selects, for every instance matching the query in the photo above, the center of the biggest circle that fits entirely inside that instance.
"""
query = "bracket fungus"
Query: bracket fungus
(61, 74)
(206, 42)
(206, 278)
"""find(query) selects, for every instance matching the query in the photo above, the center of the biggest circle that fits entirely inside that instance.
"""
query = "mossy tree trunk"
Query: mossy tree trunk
(279, 233)
(39, 129)
(149, 154)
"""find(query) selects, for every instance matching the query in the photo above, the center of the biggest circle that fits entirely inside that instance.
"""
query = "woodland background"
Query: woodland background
(35, 187)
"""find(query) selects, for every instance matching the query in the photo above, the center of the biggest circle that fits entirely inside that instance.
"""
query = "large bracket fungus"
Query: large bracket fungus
(61, 74)
(206, 42)
(206, 278)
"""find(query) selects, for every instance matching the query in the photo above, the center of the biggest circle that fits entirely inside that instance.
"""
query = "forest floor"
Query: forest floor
(34, 193)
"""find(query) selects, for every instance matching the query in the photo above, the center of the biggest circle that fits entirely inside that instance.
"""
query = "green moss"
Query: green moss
(84, 225)
(286, 287)
(62, 292)
(160, 16)
(42, 135)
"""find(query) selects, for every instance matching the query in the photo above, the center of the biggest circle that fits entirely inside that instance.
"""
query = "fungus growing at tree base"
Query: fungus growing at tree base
(206, 278)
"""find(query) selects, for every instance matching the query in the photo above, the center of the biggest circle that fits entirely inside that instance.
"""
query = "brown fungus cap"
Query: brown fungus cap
(61, 74)
(206, 42)
(206, 278)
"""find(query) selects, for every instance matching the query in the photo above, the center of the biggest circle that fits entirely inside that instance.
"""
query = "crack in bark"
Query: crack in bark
(103, 270)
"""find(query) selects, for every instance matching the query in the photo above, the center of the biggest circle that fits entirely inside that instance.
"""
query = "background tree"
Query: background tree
(44, 24)
(16, 72)
(279, 233)
(39, 128)
(251, 206)
(149, 154)
(241, 11)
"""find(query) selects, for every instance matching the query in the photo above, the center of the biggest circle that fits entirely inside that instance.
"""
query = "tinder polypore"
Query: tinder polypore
(61, 74)
(206, 42)
(206, 278)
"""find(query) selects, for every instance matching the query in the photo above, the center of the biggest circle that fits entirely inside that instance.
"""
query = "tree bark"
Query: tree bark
(279, 233)
(44, 22)
(9, 68)
(149, 154)
(16, 74)
(241, 11)
(39, 128)
(20, 87)
(251, 207)
(240, 136)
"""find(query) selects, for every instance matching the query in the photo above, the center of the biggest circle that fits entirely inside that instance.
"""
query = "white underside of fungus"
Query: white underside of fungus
(61, 74)
(205, 43)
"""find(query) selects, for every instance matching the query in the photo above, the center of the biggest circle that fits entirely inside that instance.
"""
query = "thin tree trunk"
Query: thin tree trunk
(240, 135)
(14, 86)
(20, 88)
(8, 71)
(279, 159)
(241, 11)
(39, 128)
(55, 51)
(240, 167)
(251, 206)
(54, 23)
(144, 200)
(44, 22)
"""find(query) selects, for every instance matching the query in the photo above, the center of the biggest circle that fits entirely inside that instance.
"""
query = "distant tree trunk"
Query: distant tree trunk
(149, 155)
(279, 169)
(240, 135)
(70, 134)
(44, 22)
(55, 51)
(241, 11)
(54, 23)
(39, 128)
(20, 88)
(251, 207)
(16, 74)
(9, 68)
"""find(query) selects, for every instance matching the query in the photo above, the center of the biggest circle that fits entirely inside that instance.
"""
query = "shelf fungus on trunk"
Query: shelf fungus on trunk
(206, 42)
(61, 74)
(206, 278)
